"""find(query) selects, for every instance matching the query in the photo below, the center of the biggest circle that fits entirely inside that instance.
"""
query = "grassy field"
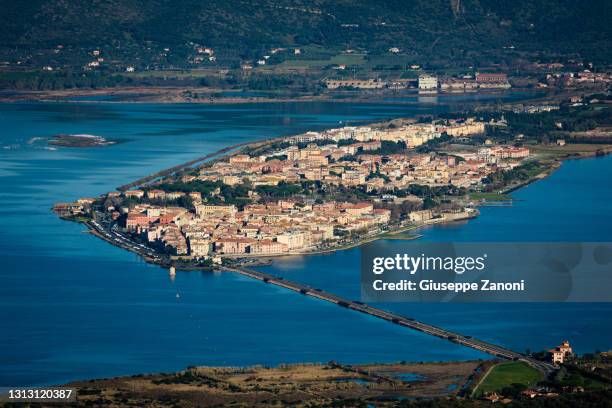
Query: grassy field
(283, 386)
(555, 151)
(341, 59)
(505, 374)
(389, 61)
(179, 74)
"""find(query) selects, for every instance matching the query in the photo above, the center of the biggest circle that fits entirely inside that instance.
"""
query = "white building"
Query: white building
(428, 83)
(199, 247)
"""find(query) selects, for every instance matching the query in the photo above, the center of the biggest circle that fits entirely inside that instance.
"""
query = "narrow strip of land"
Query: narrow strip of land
(175, 169)
(468, 341)
(172, 170)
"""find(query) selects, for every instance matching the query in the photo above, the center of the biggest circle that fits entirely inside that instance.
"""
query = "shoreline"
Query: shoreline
(258, 260)
(370, 238)
(173, 95)
(291, 384)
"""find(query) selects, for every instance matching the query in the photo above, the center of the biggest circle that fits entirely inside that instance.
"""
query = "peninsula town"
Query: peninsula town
(316, 191)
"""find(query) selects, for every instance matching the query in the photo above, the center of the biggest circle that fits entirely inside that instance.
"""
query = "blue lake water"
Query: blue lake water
(75, 307)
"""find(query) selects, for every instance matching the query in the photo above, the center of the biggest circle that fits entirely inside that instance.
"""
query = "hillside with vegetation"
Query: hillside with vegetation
(60, 35)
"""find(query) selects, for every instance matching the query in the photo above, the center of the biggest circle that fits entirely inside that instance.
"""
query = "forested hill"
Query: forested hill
(242, 29)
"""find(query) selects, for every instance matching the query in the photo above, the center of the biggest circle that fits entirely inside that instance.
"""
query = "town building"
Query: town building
(492, 80)
(355, 83)
(559, 354)
(428, 84)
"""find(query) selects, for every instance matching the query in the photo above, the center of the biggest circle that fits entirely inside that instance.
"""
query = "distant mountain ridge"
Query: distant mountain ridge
(244, 28)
